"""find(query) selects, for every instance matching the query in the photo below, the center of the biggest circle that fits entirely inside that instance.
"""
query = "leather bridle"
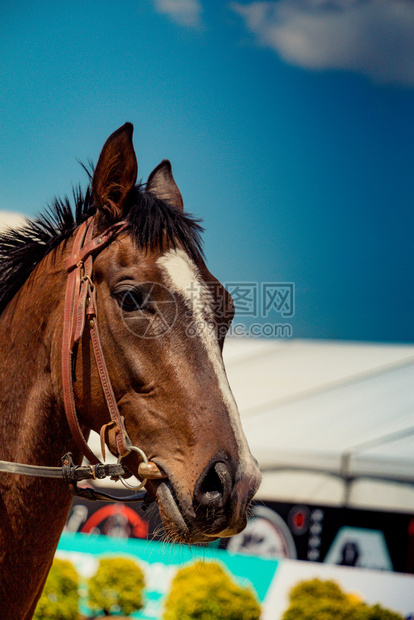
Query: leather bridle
(80, 310)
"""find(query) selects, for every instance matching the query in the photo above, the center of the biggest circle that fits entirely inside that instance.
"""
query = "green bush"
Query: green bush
(117, 586)
(324, 600)
(324, 609)
(317, 589)
(318, 600)
(375, 612)
(204, 591)
(60, 597)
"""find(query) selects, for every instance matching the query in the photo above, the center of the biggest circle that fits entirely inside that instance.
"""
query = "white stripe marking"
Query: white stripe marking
(182, 277)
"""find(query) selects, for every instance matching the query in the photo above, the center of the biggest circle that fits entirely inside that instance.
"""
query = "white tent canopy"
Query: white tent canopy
(329, 422)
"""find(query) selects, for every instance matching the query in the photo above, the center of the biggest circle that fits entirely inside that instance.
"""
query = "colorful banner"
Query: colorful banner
(160, 562)
(271, 579)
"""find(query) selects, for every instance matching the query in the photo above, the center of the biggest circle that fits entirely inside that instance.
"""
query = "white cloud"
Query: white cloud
(9, 219)
(373, 37)
(184, 12)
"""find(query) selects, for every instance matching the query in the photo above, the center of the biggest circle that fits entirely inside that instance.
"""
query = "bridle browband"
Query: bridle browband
(80, 309)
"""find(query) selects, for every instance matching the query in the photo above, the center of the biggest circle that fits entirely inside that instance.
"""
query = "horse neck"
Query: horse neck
(30, 411)
(33, 430)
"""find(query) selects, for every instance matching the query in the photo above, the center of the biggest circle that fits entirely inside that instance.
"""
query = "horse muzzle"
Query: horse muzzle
(216, 508)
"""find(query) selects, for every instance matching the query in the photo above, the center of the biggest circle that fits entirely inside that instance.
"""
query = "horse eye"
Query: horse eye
(130, 300)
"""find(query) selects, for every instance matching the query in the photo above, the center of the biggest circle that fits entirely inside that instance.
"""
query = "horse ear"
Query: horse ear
(161, 183)
(115, 174)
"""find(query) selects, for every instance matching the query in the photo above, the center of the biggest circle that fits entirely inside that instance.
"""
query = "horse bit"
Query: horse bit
(79, 310)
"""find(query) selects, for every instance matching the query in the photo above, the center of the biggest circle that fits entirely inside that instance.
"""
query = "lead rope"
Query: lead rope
(72, 474)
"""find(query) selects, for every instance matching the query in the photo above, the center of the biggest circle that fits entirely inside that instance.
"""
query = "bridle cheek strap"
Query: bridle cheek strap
(80, 310)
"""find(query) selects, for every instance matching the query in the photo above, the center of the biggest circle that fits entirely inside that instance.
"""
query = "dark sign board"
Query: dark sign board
(343, 536)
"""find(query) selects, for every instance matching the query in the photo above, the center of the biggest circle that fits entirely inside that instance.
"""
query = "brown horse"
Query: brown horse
(161, 316)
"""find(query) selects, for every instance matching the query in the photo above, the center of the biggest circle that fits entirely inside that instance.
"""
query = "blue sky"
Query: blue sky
(289, 125)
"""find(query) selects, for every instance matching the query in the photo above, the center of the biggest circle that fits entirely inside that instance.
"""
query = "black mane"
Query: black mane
(152, 223)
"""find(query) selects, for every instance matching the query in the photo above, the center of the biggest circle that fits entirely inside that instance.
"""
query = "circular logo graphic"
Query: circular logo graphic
(149, 310)
(266, 534)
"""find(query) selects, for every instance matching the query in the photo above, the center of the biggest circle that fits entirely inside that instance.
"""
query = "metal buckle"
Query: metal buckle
(145, 459)
(87, 278)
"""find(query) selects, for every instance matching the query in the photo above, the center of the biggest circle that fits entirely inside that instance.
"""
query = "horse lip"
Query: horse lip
(181, 533)
(170, 505)
(186, 528)
(179, 495)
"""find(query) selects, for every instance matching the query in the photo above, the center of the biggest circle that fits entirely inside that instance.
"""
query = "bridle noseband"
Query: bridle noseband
(80, 310)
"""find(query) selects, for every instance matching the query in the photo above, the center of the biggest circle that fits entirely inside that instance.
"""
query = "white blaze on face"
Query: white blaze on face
(182, 277)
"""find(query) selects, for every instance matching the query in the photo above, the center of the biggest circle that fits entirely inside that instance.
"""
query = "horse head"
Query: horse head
(163, 319)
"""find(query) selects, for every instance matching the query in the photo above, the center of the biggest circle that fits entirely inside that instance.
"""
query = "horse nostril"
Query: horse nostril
(214, 486)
